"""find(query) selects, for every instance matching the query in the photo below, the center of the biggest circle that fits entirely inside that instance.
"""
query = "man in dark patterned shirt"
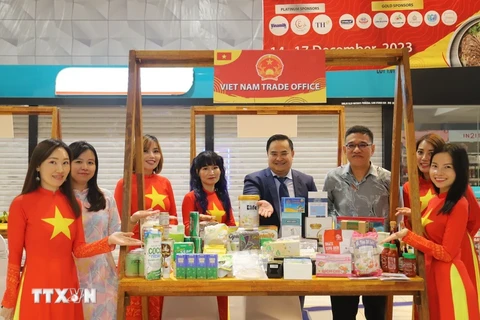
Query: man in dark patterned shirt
(358, 189)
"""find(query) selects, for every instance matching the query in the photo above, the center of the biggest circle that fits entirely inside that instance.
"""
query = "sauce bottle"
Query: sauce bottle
(393, 259)
(400, 257)
(384, 257)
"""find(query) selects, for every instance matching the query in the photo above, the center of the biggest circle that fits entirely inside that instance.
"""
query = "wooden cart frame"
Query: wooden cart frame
(54, 112)
(270, 110)
(403, 108)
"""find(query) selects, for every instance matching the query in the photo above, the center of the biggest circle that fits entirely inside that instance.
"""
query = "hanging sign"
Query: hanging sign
(256, 76)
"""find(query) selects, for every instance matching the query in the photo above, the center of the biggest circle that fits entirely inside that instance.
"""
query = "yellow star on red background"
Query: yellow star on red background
(60, 224)
(424, 200)
(425, 218)
(157, 198)
(215, 212)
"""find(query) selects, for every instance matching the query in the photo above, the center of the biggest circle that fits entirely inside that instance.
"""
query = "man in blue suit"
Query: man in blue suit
(267, 183)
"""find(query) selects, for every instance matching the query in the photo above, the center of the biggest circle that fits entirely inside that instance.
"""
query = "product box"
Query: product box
(181, 266)
(191, 266)
(316, 226)
(167, 252)
(317, 204)
(212, 266)
(297, 268)
(291, 224)
(283, 248)
(201, 265)
(293, 205)
(249, 240)
(331, 241)
(355, 225)
(182, 247)
(334, 265)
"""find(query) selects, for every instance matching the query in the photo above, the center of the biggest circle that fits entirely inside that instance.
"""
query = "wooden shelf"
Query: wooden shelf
(268, 287)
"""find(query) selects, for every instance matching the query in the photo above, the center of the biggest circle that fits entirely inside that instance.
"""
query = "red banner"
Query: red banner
(437, 33)
(256, 76)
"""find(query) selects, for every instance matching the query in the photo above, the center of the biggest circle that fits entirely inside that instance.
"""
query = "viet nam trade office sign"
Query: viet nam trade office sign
(437, 33)
(282, 77)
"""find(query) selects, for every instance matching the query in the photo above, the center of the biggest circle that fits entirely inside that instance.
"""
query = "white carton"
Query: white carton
(153, 254)
(317, 204)
(297, 268)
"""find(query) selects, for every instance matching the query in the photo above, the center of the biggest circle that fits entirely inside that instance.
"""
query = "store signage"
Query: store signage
(114, 81)
(464, 135)
(437, 33)
(256, 76)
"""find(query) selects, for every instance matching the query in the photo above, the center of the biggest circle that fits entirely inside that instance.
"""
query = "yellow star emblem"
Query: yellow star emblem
(424, 200)
(215, 212)
(157, 199)
(60, 224)
(425, 218)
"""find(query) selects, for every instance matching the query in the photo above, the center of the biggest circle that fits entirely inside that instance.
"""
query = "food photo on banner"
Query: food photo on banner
(437, 33)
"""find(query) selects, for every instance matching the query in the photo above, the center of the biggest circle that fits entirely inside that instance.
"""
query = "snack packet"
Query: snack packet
(366, 258)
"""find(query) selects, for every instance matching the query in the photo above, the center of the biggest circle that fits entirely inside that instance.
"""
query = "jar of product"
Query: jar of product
(132, 263)
(165, 223)
(384, 257)
(248, 211)
(409, 265)
(393, 259)
(149, 222)
(141, 265)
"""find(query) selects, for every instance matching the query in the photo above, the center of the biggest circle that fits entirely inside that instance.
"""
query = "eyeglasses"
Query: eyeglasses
(361, 146)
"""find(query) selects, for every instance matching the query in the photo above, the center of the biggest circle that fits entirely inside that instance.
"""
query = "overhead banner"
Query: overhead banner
(437, 33)
(256, 76)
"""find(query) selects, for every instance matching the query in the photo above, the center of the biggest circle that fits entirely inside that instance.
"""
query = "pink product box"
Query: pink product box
(333, 265)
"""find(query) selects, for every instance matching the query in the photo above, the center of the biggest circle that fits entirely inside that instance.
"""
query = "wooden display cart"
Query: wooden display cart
(403, 107)
(270, 110)
(54, 112)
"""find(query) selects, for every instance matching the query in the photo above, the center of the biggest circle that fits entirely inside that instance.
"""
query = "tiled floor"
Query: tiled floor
(317, 305)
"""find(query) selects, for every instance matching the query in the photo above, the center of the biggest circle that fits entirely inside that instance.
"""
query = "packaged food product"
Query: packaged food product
(248, 211)
(366, 260)
(409, 265)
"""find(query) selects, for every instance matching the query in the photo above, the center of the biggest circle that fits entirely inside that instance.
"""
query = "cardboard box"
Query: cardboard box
(283, 248)
(191, 266)
(249, 240)
(182, 247)
(181, 266)
(359, 226)
(291, 224)
(297, 268)
(333, 265)
(317, 204)
(212, 266)
(315, 227)
(201, 265)
(293, 205)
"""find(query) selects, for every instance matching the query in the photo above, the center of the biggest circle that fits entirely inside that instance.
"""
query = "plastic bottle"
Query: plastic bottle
(410, 265)
(393, 259)
(400, 257)
(384, 257)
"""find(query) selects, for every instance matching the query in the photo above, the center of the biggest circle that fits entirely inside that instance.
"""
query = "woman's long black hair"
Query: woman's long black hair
(461, 167)
(203, 159)
(95, 196)
(42, 151)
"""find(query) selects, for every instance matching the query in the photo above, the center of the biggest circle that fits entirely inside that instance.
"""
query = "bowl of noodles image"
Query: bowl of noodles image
(464, 48)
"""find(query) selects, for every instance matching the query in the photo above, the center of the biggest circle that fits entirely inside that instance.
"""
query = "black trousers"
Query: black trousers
(346, 307)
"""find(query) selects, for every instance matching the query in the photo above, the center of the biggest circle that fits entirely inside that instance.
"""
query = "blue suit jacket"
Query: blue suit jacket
(262, 183)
